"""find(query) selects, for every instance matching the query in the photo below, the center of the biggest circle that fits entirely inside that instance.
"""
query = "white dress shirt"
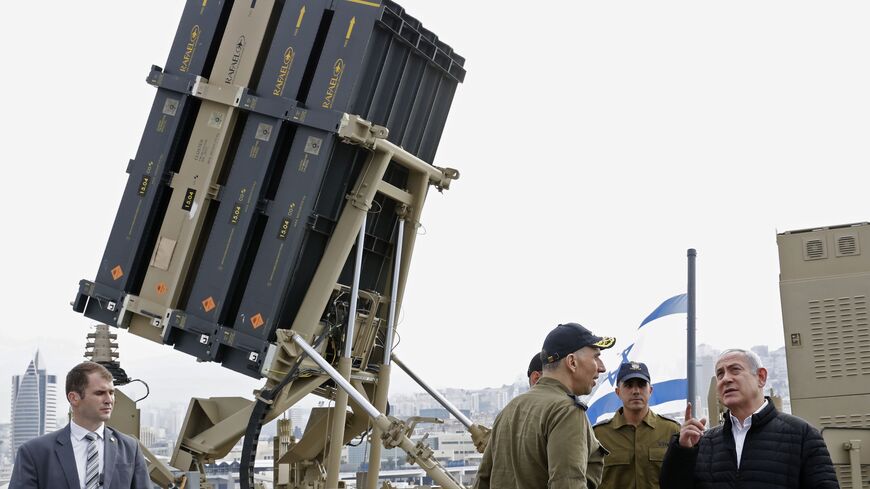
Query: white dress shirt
(739, 430)
(80, 448)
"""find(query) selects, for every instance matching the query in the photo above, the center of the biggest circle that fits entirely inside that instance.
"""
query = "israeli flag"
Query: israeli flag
(660, 343)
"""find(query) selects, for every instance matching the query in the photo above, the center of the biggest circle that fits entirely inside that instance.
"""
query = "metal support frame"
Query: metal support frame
(435, 394)
(345, 364)
(394, 294)
(340, 244)
(356, 130)
(213, 430)
(354, 291)
(375, 444)
(393, 429)
(479, 433)
(854, 449)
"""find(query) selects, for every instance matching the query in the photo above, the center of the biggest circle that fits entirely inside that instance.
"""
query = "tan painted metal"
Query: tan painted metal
(849, 455)
(336, 437)
(158, 471)
(375, 443)
(213, 426)
(825, 287)
(395, 432)
(356, 130)
(715, 409)
(125, 415)
(395, 436)
(854, 449)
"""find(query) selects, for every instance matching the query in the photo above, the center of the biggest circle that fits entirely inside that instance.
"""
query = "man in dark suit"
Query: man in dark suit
(85, 454)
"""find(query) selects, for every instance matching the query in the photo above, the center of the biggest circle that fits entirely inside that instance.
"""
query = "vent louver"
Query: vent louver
(845, 420)
(840, 337)
(844, 475)
(847, 245)
(814, 249)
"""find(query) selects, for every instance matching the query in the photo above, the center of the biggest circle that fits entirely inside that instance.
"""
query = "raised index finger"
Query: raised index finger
(688, 411)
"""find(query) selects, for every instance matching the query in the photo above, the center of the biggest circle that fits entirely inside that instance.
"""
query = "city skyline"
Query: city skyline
(160, 423)
(204, 384)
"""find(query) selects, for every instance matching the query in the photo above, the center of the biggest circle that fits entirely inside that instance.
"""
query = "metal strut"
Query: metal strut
(394, 431)
(258, 415)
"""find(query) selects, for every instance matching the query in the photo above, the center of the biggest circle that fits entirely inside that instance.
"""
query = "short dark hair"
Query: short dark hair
(77, 378)
(535, 365)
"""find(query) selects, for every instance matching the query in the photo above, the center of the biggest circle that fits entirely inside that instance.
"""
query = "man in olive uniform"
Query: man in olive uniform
(543, 438)
(636, 437)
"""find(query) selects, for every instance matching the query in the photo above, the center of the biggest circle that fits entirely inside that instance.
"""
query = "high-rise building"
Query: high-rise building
(34, 401)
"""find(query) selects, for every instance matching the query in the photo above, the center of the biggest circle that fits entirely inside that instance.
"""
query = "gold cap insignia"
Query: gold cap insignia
(605, 342)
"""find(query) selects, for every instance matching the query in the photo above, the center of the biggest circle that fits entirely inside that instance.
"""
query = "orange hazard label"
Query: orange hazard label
(117, 272)
(208, 304)
(257, 320)
(162, 288)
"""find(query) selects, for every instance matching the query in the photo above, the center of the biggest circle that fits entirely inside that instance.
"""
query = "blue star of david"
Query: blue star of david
(611, 376)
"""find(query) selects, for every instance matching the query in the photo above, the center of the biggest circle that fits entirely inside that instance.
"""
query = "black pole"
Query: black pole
(690, 328)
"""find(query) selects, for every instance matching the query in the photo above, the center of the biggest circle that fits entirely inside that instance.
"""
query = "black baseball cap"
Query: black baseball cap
(632, 370)
(568, 338)
(536, 365)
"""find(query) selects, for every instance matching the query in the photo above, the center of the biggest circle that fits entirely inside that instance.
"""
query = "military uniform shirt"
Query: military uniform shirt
(636, 454)
(542, 439)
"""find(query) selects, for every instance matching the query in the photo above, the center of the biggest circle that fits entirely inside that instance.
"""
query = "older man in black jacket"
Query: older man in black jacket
(756, 447)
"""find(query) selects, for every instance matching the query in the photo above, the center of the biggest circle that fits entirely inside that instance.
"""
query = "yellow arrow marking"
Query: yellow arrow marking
(204, 3)
(363, 2)
(301, 15)
(349, 30)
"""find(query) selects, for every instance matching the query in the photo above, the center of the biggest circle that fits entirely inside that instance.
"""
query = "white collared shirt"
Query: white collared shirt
(739, 430)
(80, 447)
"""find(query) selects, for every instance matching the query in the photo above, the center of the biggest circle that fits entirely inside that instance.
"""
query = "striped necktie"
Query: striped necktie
(92, 464)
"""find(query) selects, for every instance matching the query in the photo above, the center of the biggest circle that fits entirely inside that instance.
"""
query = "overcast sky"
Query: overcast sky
(597, 141)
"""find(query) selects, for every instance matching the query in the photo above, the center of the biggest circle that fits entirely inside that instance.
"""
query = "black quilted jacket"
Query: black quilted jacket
(780, 452)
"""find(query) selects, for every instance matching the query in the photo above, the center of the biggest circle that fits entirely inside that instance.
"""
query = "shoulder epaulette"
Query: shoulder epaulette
(668, 419)
(577, 402)
(603, 422)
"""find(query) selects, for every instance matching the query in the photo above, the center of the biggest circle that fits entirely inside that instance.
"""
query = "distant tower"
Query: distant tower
(34, 402)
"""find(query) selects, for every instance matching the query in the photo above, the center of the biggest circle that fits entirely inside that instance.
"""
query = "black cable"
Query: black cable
(362, 438)
(261, 408)
(119, 376)
(147, 390)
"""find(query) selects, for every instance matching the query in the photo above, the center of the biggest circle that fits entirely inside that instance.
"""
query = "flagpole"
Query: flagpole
(690, 327)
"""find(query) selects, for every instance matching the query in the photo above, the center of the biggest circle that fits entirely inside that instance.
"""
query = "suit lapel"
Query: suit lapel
(111, 448)
(67, 458)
